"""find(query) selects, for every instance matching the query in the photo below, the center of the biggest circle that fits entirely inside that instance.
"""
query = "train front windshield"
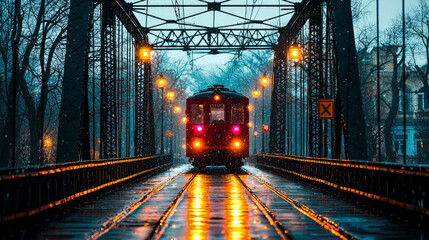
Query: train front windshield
(217, 114)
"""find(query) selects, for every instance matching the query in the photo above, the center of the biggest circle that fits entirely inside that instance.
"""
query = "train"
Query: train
(217, 129)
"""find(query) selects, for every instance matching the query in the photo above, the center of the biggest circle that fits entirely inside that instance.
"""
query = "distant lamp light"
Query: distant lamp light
(295, 53)
(184, 120)
(250, 124)
(145, 53)
(177, 109)
(256, 93)
(161, 82)
(48, 142)
(249, 107)
(265, 81)
(170, 95)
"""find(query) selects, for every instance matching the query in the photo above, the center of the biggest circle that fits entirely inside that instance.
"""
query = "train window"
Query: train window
(237, 113)
(197, 113)
(217, 114)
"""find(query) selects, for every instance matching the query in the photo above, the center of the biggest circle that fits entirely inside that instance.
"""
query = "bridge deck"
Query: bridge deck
(218, 204)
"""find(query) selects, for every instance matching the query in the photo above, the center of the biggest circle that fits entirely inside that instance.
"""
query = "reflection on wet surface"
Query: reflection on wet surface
(237, 211)
(198, 206)
(216, 206)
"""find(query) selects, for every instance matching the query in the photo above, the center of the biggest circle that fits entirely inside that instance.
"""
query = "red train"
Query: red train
(217, 131)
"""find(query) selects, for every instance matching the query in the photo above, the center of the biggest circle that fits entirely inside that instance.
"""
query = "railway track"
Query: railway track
(253, 203)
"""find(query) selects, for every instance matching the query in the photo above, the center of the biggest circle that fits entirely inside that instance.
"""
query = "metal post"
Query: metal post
(403, 83)
(255, 127)
(263, 119)
(162, 120)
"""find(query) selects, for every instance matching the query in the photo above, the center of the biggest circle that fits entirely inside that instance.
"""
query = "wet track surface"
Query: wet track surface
(218, 204)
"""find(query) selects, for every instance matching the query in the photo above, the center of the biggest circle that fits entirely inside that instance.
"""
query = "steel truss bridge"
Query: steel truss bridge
(322, 28)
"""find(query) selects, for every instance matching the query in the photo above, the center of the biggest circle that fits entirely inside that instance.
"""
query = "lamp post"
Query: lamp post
(264, 82)
(170, 96)
(255, 94)
(177, 110)
(161, 84)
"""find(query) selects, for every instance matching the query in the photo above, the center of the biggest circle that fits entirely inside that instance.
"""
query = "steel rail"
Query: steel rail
(325, 222)
(284, 233)
(110, 223)
(160, 226)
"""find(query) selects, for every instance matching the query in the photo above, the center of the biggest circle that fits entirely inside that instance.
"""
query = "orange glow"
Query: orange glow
(145, 53)
(217, 97)
(237, 211)
(161, 82)
(184, 146)
(237, 144)
(265, 81)
(197, 144)
(48, 142)
(170, 95)
(184, 120)
(256, 93)
(295, 53)
(250, 124)
(198, 209)
(249, 107)
(177, 109)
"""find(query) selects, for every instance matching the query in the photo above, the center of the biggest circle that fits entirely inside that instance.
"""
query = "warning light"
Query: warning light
(236, 129)
(217, 97)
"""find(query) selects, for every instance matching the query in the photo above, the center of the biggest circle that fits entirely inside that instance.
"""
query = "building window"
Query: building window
(421, 102)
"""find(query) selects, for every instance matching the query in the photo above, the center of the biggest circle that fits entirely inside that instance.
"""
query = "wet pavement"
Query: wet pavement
(216, 205)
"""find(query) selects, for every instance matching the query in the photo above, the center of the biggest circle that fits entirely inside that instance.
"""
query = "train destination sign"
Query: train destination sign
(326, 108)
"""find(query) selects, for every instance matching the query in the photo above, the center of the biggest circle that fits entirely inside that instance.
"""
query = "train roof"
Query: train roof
(226, 93)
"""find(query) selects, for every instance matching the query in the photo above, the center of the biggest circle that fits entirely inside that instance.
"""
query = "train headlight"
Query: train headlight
(236, 129)
(197, 144)
(237, 144)
(217, 97)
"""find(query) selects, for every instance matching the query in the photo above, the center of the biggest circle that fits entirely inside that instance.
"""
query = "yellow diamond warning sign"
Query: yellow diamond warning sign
(326, 108)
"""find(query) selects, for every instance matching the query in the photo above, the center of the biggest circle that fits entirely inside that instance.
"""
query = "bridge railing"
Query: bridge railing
(392, 185)
(28, 191)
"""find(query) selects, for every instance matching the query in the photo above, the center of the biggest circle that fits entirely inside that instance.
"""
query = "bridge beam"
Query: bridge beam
(108, 112)
(278, 107)
(348, 81)
(144, 126)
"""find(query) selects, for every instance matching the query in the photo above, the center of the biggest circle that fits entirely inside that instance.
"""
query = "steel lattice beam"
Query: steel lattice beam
(108, 116)
(315, 82)
(144, 131)
(278, 107)
(206, 39)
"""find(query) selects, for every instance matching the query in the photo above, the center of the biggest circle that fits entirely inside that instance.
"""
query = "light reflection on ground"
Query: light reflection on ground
(198, 205)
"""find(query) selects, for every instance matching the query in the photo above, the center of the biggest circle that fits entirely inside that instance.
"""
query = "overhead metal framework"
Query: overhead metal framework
(213, 26)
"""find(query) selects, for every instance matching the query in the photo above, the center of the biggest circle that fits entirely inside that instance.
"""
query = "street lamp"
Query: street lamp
(177, 109)
(264, 82)
(255, 94)
(161, 82)
(170, 96)
(145, 53)
(295, 53)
